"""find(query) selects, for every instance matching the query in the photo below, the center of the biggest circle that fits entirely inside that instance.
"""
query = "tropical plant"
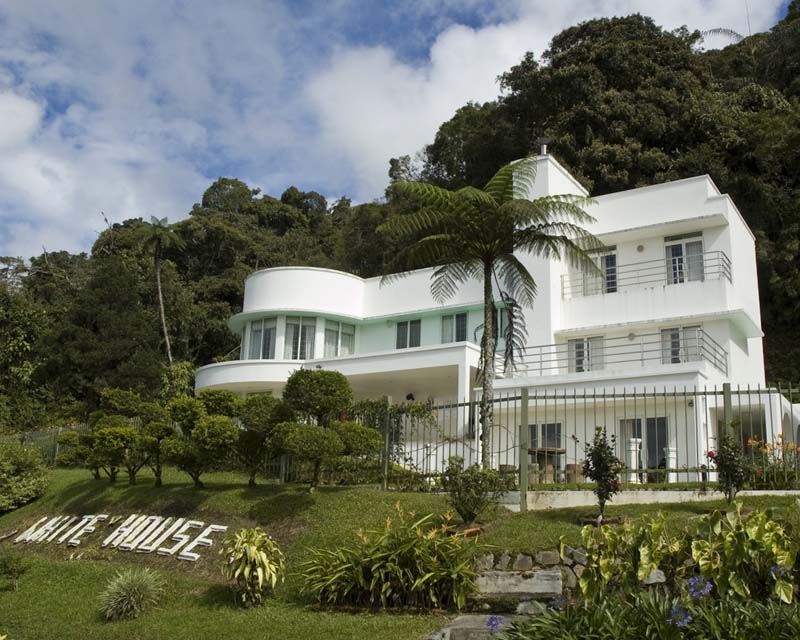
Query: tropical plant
(471, 490)
(254, 562)
(474, 234)
(23, 476)
(318, 395)
(774, 465)
(309, 443)
(413, 562)
(160, 236)
(733, 467)
(130, 592)
(603, 468)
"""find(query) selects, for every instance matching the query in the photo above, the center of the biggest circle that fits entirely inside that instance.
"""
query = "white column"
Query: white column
(671, 456)
(319, 339)
(634, 446)
(280, 337)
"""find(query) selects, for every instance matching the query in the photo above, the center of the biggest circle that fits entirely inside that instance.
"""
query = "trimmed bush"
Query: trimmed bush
(155, 433)
(357, 440)
(12, 567)
(186, 411)
(211, 440)
(23, 475)
(733, 467)
(131, 592)
(318, 395)
(311, 444)
(603, 468)
(220, 402)
(254, 562)
(411, 563)
(470, 491)
(260, 415)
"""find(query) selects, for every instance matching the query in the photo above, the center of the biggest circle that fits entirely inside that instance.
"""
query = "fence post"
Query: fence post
(524, 445)
(386, 447)
(727, 406)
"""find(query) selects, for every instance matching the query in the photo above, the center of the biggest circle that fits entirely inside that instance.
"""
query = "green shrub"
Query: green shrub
(120, 402)
(115, 447)
(23, 475)
(254, 562)
(318, 395)
(260, 415)
(130, 592)
(310, 443)
(357, 440)
(220, 402)
(210, 442)
(470, 491)
(406, 479)
(652, 615)
(411, 563)
(733, 467)
(602, 467)
(12, 567)
(154, 435)
(185, 411)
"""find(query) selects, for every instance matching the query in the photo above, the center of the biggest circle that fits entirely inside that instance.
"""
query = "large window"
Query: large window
(684, 256)
(655, 439)
(680, 344)
(262, 339)
(454, 328)
(547, 443)
(340, 339)
(299, 342)
(586, 354)
(606, 280)
(408, 333)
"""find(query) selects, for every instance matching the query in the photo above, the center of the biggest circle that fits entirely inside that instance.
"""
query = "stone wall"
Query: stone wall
(517, 582)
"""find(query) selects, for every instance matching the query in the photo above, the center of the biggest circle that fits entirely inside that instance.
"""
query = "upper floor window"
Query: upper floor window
(408, 333)
(454, 328)
(684, 256)
(605, 279)
(262, 339)
(340, 339)
(299, 341)
(680, 344)
(586, 354)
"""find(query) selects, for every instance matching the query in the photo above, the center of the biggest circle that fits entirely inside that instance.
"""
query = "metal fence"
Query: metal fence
(662, 435)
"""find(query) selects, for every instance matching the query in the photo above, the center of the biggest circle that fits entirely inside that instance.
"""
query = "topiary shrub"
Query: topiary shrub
(357, 440)
(23, 476)
(260, 415)
(413, 562)
(210, 442)
(221, 402)
(733, 467)
(309, 443)
(603, 468)
(471, 490)
(130, 592)
(318, 395)
(254, 562)
(154, 435)
(185, 412)
(12, 567)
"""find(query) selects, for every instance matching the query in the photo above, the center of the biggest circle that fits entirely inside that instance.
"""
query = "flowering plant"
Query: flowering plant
(731, 465)
(603, 467)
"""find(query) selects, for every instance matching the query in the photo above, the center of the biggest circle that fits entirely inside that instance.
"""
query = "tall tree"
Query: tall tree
(474, 234)
(160, 236)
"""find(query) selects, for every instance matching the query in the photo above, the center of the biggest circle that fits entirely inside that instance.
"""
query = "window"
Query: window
(408, 333)
(300, 335)
(546, 439)
(654, 440)
(454, 328)
(606, 280)
(680, 344)
(262, 339)
(340, 339)
(684, 256)
(586, 354)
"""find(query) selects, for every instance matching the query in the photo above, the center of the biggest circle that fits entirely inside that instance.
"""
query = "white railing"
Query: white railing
(712, 265)
(627, 352)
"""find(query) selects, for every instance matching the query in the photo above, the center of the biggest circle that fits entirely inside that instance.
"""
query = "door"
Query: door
(684, 261)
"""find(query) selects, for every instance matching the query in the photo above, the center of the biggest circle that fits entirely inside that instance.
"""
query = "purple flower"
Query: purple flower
(777, 572)
(699, 587)
(679, 617)
(494, 622)
(558, 603)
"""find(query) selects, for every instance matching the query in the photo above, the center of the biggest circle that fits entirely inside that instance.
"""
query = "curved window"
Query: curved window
(262, 339)
(340, 339)
(299, 340)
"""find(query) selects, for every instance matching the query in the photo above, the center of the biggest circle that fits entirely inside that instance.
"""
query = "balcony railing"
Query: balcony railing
(669, 346)
(712, 265)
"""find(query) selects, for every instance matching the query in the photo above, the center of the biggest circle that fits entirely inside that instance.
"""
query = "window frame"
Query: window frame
(455, 333)
(405, 326)
(261, 334)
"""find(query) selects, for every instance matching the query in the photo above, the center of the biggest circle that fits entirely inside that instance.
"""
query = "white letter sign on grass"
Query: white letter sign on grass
(137, 532)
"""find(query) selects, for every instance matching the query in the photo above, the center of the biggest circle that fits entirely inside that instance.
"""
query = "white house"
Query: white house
(676, 308)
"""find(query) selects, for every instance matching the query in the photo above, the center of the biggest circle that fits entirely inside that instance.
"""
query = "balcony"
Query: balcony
(626, 353)
(711, 265)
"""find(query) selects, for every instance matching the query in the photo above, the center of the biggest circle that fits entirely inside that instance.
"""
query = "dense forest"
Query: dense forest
(622, 102)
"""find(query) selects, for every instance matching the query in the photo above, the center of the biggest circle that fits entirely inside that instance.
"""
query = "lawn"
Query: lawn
(57, 597)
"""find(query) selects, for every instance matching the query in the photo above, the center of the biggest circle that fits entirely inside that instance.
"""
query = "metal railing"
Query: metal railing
(669, 346)
(711, 265)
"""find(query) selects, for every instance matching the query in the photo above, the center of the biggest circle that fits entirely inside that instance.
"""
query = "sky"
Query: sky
(132, 109)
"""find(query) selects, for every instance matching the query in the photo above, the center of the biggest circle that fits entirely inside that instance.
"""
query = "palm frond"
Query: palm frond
(423, 220)
(524, 172)
(476, 196)
(515, 336)
(445, 280)
(735, 36)
(517, 281)
(424, 193)
(550, 209)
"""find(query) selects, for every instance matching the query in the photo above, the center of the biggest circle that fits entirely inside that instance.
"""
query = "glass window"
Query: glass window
(586, 354)
(680, 344)
(684, 260)
(347, 345)
(454, 328)
(340, 339)
(408, 333)
(262, 339)
(300, 336)
(448, 329)
(331, 339)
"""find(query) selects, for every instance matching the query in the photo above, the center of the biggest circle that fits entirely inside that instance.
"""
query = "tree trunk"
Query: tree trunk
(315, 477)
(157, 474)
(252, 481)
(131, 478)
(197, 482)
(487, 346)
(161, 303)
(112, 474)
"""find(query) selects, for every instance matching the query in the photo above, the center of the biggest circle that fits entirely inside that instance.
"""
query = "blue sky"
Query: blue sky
(134, 108)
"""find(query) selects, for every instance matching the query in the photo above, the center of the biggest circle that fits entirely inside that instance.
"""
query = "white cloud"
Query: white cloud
(133, 108)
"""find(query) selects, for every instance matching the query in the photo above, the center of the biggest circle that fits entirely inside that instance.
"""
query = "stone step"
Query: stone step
(472, 627)
(539, 584)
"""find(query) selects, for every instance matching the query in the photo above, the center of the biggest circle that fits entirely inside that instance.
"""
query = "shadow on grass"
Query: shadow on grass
(219, 596)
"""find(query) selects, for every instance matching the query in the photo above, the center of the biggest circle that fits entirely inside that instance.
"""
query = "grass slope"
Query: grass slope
(58, 597)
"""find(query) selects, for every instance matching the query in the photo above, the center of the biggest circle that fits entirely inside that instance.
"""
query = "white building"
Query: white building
(677, 307)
